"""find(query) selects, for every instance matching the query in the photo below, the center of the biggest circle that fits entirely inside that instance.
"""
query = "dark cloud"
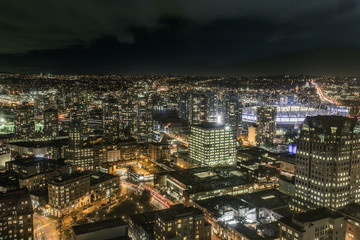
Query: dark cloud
(174, 35)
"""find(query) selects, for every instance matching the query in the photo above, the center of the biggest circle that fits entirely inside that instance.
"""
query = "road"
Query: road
(45, 228)
(321, 95)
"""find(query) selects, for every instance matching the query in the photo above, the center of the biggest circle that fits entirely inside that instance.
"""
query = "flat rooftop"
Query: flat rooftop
(209, 178)
(178, 211)
(99, 225)
(270, 199)
(98, 177)
(217, 204)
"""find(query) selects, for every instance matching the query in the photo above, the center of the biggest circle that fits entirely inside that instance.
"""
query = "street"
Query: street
(45, 228)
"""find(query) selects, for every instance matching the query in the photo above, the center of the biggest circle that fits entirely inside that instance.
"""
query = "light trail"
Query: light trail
(321, 95)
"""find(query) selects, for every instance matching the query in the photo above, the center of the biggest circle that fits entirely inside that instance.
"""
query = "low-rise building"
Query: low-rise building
(68, 192)
(206, 182)
(321, 223)
(180, 222)
(106, 229)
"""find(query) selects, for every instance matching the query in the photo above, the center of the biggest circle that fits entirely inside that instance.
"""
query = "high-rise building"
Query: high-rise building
(212, 144)
(327, 172)
(266, 125)
(51, 123)
(199, 107)
(16, 215)
(77, 154)
(111, 120)
(232, 114)
(143, 120)
(179, 222)
(24, 122)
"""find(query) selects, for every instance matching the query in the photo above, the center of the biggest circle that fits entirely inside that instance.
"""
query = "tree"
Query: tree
(145, 197)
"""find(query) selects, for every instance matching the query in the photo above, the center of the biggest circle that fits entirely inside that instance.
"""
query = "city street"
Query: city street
(45, 228)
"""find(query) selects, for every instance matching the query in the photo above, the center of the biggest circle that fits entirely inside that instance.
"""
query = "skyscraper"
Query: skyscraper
(111, 120)
(266, 125)
(327, 172)
(212, 144)
(77, 154)
(51, 124)
(199, 107)
(232, 113)
(143, 120)
(24, 122)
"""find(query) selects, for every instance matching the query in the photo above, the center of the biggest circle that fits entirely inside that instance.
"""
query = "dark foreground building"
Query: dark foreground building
(16, 215)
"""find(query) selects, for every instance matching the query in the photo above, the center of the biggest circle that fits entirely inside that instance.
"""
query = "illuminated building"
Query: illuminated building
(24, 122)
(351, 213)
(327, 172)
(77, 154)
(179, 222)
(212, 144)
(266, 125)
(51, 124)
(232, 218)
(316, 224)
(199, 107)
(143, 120)
(232, 114)
(111, 120)
(69, 192)
(195, 184)
(252, 135)
(159, 151)
(16, 217)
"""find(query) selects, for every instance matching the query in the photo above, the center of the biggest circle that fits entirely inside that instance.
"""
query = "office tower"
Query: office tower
(16, 215)
(51, 123)
(143, 120)
(179, 222)
(316, 224)
(327, 172)
(201, 107)
(212, 144)
(75, 134)
(77, 154)
(111, 120)
(232, 113)
(127, 113)
(24, 122)
(182, 105)
(266, 125)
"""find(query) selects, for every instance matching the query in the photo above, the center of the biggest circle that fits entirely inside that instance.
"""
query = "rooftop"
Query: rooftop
(178, 211)
(98, 177)
(146, 220)
(99, 225)
(66, 177)
(310, 216)
(207, 178)
(270, 199)
(216, 204)
(210, 125)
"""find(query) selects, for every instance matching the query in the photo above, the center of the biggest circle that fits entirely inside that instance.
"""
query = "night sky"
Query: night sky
(211, 37)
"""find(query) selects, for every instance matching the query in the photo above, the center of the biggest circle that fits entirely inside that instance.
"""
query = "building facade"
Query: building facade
(327, 172)
(16, 215)
(266, 125)
(211, 144)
